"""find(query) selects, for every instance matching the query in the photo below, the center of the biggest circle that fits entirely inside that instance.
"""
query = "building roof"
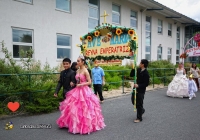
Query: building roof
(152, 5)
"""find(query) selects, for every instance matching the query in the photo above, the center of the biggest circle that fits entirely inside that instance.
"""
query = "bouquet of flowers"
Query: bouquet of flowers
(197, 38)
(183, 55)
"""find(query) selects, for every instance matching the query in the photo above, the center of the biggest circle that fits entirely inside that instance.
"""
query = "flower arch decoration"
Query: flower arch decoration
(108, 36)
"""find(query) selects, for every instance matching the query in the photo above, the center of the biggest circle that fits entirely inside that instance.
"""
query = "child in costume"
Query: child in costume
(192, 87)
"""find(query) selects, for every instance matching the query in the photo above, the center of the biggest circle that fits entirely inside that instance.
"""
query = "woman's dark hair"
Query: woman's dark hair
(194, 66)
(83, 61)
(73, 66)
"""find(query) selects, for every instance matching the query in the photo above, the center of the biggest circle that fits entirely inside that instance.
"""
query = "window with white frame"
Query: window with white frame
(159, 26)
(169, 54)
(116, 14)
(169, 29)
(63, 46)
(159, 53)
(177, 44)
(148, 38)
(93, 19)
(26, 1)
(22, 41)
(63, 5)
(133, 19)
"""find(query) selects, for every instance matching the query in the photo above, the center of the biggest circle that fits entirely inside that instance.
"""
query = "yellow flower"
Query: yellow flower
(89, 38)
(134, 38)
(118, 32)
(129, 44)
(96, 33)
(84, 47)
(81, 38)
(78, 45)
(131, 32)
(128, 49)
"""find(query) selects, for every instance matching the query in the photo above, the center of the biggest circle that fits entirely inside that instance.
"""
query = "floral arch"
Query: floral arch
(109, 43)
(194, 48)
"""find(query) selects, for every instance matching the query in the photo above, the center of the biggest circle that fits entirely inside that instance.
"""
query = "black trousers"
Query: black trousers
(64, 93)
(98, 89)
(139, 104)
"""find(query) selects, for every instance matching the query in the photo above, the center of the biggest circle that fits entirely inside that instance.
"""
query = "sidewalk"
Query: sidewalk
(119, 92)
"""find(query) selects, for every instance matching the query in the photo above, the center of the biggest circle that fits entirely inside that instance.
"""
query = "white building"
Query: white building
(54, 28)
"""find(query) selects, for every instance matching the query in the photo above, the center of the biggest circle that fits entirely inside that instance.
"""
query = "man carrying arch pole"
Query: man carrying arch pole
(141, 82)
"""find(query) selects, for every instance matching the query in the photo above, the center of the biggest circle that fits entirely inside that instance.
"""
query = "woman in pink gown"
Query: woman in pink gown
(81, 110)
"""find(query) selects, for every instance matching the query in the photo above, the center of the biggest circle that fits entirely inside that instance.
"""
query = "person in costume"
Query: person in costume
(142, 83)
(192, 87)
(179, 85)
(98, 79)
(81, 111)
(67, 76)
(194, 70)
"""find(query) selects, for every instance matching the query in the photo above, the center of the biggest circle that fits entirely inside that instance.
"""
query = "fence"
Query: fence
(32, 81)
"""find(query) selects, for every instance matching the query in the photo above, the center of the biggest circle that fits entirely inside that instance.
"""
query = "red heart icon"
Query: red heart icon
(13, 106)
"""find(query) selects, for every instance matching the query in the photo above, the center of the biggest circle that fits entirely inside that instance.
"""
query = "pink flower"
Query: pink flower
(197, 37)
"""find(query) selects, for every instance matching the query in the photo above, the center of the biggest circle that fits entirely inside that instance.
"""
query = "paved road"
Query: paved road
(165, 119)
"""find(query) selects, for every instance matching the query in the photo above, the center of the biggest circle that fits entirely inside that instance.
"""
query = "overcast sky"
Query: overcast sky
(190, 8)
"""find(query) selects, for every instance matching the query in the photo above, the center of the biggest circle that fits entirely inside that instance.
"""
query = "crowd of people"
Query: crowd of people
(183, 86)
(81, 111)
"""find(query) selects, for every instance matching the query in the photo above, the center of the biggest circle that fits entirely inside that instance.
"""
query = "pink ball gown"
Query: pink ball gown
(81, 110)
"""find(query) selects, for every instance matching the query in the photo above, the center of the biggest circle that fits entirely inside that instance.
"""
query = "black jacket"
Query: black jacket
(142, 79)
(66, 76)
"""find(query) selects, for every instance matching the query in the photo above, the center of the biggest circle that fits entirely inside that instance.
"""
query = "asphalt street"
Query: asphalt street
(165, 119)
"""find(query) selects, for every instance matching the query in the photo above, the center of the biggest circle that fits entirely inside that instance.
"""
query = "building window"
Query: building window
(169, 54)
(63, 5)
(133, 19)
(26, 1)
(63, 46)
(169, 29)
(93, 19)
(22, 41)
(159, 53)
(177, 44)
(116, 14)
(148, 38)
(160, 26)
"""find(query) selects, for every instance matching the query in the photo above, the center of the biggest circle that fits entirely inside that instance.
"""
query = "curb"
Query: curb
(126, 94)
(13, 116)
(109, 98)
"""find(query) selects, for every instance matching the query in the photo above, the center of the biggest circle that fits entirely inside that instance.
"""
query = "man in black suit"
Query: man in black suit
(67, 77)
(142, 83)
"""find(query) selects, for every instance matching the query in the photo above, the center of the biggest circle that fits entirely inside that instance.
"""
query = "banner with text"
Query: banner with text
(107, 46)
(192, 52)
